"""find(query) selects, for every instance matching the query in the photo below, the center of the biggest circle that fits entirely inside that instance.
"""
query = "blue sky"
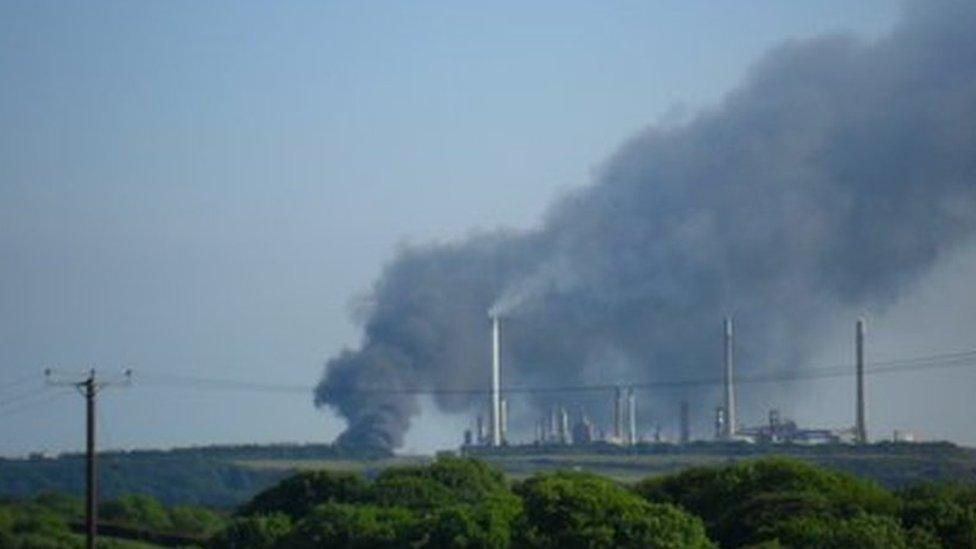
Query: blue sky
(205, 188)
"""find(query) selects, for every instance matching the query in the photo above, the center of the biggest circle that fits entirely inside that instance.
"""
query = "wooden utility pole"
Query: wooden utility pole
(89, 388)
(91, 479)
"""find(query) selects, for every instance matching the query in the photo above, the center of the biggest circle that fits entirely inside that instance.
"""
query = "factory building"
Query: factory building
(554, 426)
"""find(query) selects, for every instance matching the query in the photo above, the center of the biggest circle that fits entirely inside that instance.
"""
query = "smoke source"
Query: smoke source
(832, 179)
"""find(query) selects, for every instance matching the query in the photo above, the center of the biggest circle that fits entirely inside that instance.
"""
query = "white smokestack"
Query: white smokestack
(496, 412)
(503, 421)
(729, 430)
(631, 416)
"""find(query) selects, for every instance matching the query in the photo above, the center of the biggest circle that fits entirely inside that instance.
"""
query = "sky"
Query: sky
(207, 189)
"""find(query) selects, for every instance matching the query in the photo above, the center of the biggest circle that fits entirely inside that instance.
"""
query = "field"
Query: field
(892, 465)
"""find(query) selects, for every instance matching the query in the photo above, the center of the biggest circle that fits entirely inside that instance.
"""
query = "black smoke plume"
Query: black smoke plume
(834, 177)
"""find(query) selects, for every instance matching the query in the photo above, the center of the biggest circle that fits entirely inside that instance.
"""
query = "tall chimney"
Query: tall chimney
(729, 430)
(618, 420)
(503, 421)
(564, 426)
(631, 416)
(496, 424)
(860, 426)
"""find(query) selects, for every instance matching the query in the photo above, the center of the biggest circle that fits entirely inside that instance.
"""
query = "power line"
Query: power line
(21, 397)
(34, 404)
(18, 382)
(89, 387)
(931, 362)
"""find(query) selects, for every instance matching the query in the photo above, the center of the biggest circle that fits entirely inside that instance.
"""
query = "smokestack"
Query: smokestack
(496, 374)
(563, 426)
(729, 430)
(480, 429)
(503, 413)
(631, 416)
(685, 423)
(618, 420)
(860, 426)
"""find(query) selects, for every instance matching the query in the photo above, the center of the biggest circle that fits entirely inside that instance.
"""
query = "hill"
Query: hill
(225, 476)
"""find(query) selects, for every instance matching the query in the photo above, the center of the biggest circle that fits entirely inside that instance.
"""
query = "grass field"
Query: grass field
(889, 465)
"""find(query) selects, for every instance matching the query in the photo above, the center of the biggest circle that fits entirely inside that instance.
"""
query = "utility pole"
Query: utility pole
(89, 388)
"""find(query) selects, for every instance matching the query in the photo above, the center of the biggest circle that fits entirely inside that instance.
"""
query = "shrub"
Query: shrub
(947, 512)
(354, 526)
(582, 510)
(738, 501)
(252, 532)
(136, 510)
(295, 496)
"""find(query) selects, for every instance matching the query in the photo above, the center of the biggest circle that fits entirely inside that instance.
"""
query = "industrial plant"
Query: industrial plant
(570, 424)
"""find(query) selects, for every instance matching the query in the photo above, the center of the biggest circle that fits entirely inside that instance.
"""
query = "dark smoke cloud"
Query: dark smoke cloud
(831, 180)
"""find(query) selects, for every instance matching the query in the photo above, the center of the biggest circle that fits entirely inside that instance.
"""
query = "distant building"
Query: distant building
(583, 430)
(780, 430)
(903, 436)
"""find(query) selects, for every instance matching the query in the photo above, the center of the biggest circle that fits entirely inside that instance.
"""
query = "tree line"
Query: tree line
(463, 502)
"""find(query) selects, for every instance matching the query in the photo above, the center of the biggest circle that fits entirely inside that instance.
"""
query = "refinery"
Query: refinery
(569, 424)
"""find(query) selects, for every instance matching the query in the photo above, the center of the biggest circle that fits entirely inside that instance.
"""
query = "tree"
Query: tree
(485, 525)
(582, 510)
(414, 491)
(861, 531)
(447, 480)
(946, 511)
(295, 496)
(737, 501)
(461, 502)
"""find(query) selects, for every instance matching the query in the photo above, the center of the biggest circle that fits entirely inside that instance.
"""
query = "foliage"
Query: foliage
(67, 506)
(768, 504)
(582, 510)
(183, 480)
(460, 502)
(344, 525)
(295, 496)
(862, 531)
(252, 532)
(740, 502)
(487, 524)
(195, 521)
(30, 525)
(137, 510)
(447, 480)
(947, 511)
